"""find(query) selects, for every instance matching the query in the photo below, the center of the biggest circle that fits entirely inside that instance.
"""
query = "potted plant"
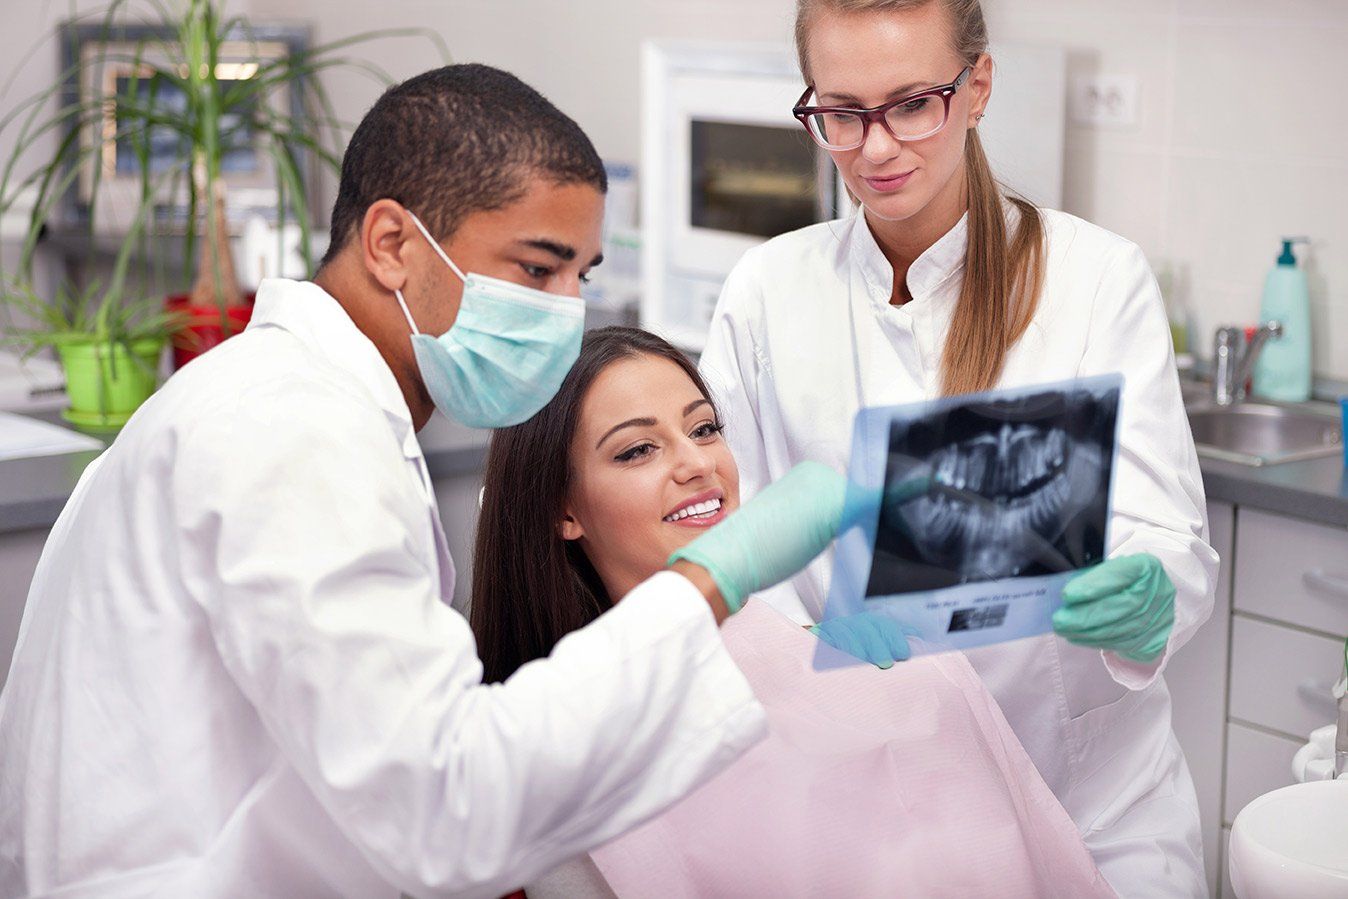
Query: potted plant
(109, 348)
(195, 89)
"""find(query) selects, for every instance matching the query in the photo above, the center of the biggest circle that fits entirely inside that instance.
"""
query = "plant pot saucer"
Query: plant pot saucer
(96, 421)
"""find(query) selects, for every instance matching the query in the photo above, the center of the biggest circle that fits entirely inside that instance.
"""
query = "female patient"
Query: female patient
(870, 782)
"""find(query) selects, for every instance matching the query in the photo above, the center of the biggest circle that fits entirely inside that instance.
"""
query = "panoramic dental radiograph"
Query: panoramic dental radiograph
(1003, 488)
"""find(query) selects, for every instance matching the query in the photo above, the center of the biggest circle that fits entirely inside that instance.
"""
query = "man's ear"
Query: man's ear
(386, 234)
(569, 527)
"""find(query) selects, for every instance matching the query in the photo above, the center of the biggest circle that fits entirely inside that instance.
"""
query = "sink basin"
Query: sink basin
(1291, 842)
(1265, 434)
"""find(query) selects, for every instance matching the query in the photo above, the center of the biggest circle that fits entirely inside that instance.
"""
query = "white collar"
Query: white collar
(929, 271)
(319, 321)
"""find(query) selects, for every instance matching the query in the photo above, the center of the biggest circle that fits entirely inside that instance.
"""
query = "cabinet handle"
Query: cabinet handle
(1319, 696)
(1332, 585)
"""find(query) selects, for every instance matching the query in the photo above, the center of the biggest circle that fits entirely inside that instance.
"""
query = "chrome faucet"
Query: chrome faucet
(1233, 360)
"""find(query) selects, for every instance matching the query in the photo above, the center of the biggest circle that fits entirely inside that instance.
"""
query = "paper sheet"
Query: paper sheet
(22, 437)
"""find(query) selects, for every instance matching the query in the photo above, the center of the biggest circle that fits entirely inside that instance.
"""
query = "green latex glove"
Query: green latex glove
(1126, 605)
(772, 536)
(871, 638)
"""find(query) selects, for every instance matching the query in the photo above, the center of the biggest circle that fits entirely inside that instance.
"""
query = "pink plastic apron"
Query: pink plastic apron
(906, 782)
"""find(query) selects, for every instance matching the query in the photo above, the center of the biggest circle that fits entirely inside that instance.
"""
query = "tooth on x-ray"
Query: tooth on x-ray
(1017, 486)
(987, 505)
(998, 497)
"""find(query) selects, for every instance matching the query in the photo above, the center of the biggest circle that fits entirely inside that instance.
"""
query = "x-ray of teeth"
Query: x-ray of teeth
(977, 509)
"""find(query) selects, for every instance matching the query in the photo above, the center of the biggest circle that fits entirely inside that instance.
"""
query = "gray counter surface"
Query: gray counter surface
(33, 491)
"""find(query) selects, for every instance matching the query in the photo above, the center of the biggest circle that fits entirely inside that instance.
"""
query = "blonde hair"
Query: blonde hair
(1003, 274)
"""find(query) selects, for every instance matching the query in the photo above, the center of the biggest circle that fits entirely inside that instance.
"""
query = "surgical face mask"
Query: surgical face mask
(505, 355)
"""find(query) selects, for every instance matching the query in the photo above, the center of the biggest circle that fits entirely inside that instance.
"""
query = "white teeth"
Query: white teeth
(704, 508)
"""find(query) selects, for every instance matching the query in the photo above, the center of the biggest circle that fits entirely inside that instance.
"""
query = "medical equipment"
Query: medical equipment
(974, 511)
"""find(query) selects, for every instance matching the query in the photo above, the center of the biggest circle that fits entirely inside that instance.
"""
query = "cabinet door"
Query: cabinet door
(1197, 680)
(1257, 762)
(1293, 571)
(1281, 677)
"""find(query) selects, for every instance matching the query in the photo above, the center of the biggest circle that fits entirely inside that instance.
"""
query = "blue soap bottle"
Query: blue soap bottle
(1283, 369)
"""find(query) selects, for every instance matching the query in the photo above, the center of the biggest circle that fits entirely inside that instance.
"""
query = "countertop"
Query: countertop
(33, 491)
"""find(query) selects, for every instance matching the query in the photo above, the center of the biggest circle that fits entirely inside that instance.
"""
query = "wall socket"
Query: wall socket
(1104, 101)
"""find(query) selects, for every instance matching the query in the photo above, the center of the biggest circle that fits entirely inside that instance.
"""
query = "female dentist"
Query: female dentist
(941, 285)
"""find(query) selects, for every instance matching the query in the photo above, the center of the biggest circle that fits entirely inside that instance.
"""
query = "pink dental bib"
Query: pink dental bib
(906, 782)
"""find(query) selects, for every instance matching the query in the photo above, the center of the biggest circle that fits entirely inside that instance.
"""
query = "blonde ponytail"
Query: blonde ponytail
(1003, 273)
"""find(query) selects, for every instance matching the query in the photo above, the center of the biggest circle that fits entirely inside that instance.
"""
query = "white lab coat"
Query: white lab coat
(804, 336)
(237, 674)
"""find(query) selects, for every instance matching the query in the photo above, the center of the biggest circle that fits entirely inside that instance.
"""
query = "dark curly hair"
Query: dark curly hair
(454, 141)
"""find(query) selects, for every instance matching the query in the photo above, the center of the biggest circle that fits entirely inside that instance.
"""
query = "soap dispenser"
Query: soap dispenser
(1283, 370)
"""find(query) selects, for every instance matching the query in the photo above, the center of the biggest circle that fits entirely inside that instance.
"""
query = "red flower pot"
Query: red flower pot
(205, 327)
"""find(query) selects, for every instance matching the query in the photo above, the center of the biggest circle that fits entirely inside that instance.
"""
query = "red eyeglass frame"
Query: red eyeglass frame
(877, 113)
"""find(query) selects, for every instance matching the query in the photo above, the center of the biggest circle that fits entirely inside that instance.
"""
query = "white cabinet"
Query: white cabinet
(1255, 679)
(1289, 598)
(1292, 571)
(1197, 680)
(1281, 676)
(1257, 762)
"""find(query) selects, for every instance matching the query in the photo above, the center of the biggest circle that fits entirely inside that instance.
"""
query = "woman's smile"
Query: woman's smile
(700, 511)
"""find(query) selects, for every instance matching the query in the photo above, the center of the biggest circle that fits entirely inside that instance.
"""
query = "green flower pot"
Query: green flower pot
(106, 384)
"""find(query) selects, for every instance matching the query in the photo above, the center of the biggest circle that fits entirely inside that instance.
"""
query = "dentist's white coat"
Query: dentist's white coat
(804, 336)
(237, 674)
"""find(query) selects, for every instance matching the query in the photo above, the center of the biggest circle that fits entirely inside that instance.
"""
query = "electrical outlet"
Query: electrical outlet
(1104, 101)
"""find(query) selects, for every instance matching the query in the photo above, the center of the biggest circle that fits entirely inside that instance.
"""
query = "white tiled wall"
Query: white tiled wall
(1242, 137)
(1242, 133)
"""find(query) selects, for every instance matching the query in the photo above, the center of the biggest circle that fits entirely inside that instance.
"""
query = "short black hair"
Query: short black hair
(454, 141)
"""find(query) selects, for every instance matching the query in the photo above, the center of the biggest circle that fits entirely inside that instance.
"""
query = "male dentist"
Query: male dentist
(237, 672)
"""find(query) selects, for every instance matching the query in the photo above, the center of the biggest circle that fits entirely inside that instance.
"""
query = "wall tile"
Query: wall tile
(1261, 90)
(1106, 43)
(1329, 337)
(1268, 11)
(1122, 190)
(1226, 217)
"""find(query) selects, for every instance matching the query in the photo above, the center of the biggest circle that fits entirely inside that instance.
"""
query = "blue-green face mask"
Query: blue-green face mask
(505, 355)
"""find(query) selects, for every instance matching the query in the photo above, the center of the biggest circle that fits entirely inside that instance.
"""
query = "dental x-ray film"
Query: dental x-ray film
(968, 514)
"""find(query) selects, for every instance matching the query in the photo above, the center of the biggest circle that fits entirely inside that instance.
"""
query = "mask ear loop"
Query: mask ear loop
(435, 246)
(441, 253)
(403, 303)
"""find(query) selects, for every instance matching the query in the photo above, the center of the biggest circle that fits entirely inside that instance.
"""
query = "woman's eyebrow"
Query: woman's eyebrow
(688, 409)
(835, 99)
(630, 423)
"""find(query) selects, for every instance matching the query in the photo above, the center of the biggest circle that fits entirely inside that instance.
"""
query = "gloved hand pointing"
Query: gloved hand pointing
(872, 638)
(1126, 605)
(772, 536)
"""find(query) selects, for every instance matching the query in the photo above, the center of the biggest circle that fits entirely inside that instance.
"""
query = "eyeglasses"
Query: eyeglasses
(912, 117)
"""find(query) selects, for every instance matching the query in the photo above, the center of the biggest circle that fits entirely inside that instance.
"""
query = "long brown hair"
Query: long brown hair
(1003, 274)
(530, 586)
